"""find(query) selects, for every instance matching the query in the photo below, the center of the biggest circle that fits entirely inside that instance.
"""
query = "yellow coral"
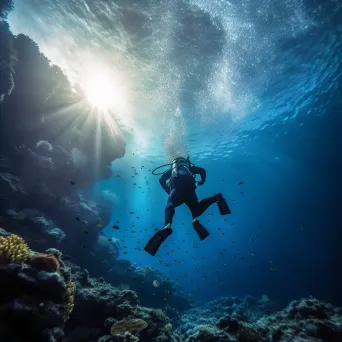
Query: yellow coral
(13, 249)
(70, 298)
(133, 326)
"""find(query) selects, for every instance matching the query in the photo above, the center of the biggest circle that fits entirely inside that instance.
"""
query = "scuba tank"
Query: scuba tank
(180, 165)
(180, 172)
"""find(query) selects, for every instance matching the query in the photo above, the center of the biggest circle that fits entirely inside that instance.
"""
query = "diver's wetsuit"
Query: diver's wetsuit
(183, 191)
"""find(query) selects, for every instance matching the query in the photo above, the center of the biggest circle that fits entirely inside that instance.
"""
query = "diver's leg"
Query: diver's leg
(198, 208)
(195, 208)
(169, 212)
(193, 204)
(153, 245)
(173, 201)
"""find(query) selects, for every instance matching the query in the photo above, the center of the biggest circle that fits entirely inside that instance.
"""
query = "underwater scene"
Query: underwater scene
(170, 170)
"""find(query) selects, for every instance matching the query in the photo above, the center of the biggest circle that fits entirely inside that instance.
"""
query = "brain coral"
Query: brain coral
(45, 262)
(133, 326)
(13, 249)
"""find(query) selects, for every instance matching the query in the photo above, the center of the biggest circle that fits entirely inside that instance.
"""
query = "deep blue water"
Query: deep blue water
(262, 107)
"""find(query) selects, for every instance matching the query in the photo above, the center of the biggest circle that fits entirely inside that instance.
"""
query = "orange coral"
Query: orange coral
(45, 262)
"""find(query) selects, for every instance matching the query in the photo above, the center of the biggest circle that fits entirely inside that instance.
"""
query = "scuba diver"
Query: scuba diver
(179, 182)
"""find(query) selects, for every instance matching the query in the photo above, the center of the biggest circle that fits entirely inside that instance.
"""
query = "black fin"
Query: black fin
(156, 240)
(223, 206)
(200, 230)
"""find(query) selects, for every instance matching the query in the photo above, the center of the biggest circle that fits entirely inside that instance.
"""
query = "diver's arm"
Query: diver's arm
(163, 179)
(199, 171)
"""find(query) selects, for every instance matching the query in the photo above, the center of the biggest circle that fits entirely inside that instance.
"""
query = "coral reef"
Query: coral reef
(32, 298)
(116, 308)
(130, 325)
(38, 293)
(307, 319)
(205, 333)
(45, 262)
(70, 299)
(13, 249)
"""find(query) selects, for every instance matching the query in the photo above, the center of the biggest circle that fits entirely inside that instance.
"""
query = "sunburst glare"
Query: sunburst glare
(102, 89)
(106, 92)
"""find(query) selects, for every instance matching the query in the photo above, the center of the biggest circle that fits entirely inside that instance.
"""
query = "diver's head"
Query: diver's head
(179, 162)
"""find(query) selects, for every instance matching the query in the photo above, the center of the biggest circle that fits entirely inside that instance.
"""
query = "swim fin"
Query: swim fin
(200, 230)
(156, 240)
(222, 205)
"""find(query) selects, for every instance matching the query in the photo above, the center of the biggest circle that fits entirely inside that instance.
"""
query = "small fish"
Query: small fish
(84, 246)
(86, 232)
(110, 239)
(252, 254)
(241, 192)
(77, 218)
(131, 212)
(72, 183)
(115, 227)
(110, 270)
(104, 261)
(125, 252)
(273, 268)
(100, 225)
(240, 183)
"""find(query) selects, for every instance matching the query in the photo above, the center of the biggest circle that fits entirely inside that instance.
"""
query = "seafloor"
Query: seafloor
(43, 298)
